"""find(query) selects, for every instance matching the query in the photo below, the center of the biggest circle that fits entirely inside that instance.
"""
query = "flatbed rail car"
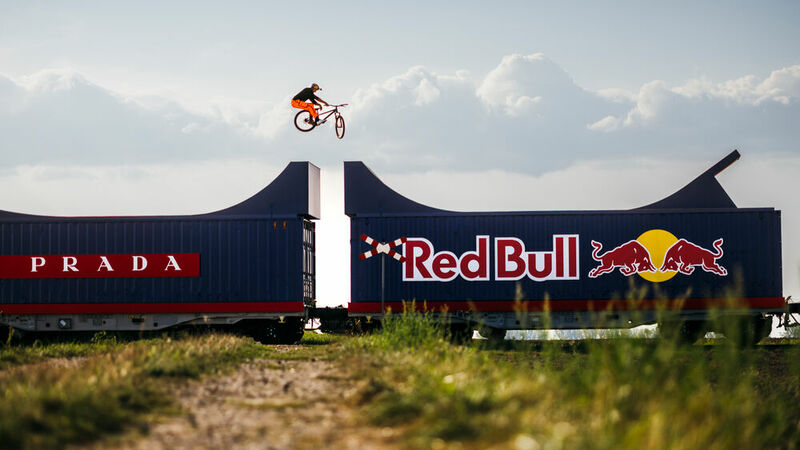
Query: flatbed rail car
(250, 266)
(686, 255)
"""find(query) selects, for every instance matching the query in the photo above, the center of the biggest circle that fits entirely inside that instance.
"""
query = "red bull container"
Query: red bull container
(690, 252)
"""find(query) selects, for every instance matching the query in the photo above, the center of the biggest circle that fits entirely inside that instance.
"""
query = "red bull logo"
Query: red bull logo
(657, 255)
(512, 261)
(631, 257)
(684, 256)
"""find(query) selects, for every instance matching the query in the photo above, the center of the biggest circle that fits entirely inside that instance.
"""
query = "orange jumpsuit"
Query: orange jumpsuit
(299, 104)
(302, 99)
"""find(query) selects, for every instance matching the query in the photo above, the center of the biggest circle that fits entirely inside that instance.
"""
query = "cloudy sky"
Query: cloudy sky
(183, 108)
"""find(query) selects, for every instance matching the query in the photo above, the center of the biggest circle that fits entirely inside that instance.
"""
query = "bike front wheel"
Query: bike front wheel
(304, 122)
(339, 126)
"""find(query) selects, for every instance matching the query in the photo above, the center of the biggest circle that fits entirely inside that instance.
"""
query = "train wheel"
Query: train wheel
(762, 327)
(360, 325)
(290, 332)
(493, 334)
(460, 333)
(262, 330)
(748, 331)
(682, 331)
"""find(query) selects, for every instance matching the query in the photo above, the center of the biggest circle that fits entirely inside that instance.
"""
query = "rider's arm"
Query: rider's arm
(323, 101)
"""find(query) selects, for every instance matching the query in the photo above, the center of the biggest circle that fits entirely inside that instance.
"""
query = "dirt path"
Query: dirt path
(266, 404)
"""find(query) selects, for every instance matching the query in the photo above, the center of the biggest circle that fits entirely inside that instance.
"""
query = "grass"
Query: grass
(58, 347)
(112, 385)
(611, 393)
(315, 338)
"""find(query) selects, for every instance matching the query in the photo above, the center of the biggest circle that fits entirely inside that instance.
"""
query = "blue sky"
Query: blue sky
(104, 107)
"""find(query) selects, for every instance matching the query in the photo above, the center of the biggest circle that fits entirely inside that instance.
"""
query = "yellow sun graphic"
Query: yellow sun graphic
(657, 242)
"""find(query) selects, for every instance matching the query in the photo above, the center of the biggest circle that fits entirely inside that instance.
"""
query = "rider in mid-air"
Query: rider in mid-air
(302, 99)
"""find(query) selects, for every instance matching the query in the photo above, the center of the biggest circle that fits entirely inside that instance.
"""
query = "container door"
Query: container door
(309, 263)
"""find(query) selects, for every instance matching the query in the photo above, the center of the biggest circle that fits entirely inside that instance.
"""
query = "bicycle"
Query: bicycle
(305, 123)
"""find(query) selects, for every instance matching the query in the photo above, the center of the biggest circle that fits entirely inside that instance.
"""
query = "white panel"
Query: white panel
(314, 209)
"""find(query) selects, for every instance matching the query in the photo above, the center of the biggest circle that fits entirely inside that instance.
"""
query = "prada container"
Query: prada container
(251, 265)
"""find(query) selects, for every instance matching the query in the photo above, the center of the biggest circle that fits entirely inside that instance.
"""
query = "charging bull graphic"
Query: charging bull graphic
(657, 255)
(684, 256)
(631, 257)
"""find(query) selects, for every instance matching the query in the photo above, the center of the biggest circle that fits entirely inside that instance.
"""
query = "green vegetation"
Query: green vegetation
(315, 338)
(610, 393)
(410, 376)
(112, 384)
(57, 347)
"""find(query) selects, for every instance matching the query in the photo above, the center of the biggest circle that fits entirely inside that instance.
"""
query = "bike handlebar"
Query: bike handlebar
(330, 106)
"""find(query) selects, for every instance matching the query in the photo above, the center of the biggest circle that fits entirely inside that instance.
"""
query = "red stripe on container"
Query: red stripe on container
(577, 305)
(152, 308)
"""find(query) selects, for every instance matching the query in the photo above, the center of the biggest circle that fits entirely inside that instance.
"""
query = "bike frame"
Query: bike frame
(323, 116)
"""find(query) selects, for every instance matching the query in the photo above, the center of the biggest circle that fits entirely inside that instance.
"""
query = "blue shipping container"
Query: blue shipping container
(695, 248)
(255, 258)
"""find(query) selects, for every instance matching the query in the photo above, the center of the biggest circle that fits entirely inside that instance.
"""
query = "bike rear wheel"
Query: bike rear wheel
(304, 122)
(339, 126)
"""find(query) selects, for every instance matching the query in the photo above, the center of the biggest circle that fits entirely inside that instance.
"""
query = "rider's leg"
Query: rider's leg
(313, 111)
(299, 104)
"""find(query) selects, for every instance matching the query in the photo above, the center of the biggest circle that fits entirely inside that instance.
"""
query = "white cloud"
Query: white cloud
(745, 98)
(654, 98)
(606, 124)
(426, 93)
(617, 95)
(58, 117)
(51, 81)
(522, 81)
(527, 114)
(417, 86)
(782, 86)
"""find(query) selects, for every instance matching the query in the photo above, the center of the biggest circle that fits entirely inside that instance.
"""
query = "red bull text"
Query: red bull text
(511, 261)
(656, 255)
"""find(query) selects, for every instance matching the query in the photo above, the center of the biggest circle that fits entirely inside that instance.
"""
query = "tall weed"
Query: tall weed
(411, 329)
(600, 393)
